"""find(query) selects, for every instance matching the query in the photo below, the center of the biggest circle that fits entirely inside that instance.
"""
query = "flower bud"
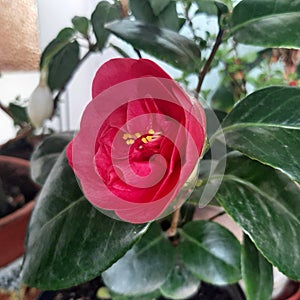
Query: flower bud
(40, 106)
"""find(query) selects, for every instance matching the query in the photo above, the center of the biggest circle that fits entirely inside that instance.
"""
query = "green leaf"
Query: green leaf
(222, 7)
(64, 37)
(207, 7)
(162, 43)
(144, 268)
(167, 17)
(257, 273)
(62, 65)
(120, 51)
(69, 241)
(210, 7)
(265, 203)
(158, 6)
(81, 24)
(142, 11)
(46, 154)
(104, 12)
(266, 126)
(19, 113)
(210, 252)
(180, 283)
(223, 98)
(267, 23)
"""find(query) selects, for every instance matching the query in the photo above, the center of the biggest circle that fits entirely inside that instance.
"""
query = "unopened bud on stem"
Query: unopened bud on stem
(40, 106)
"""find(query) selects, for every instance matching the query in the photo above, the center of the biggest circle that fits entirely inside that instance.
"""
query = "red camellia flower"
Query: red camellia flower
(140, 139)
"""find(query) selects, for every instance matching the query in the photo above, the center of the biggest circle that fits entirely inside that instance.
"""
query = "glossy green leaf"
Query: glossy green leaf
(62, 65)
(254, 21)
(81, 24)
(69, 241)
(265, 203)
(64, 37)
(211, 252)
(162, 43)
(144, 268)
(104, 13)
(257, 272)
(167, 17)
(266, 126)
(180, 284)
(46, 154)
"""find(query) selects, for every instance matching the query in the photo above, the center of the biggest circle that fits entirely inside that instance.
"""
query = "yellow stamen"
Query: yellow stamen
(130, 138)
(126, 136)
(129, 142)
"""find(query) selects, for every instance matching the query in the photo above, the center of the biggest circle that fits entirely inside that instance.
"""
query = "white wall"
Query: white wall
(53, 16)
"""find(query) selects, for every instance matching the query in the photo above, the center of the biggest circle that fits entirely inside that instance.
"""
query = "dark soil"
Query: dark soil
(16, 186)
(88, 291)
(11, 198)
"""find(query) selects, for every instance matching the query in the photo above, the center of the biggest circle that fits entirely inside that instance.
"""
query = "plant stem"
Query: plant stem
(189, 21)
(137, 51)
(206, 67)
(173, 228)
(124, 8)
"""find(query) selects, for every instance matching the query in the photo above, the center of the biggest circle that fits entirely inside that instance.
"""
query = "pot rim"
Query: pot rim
(24, 210)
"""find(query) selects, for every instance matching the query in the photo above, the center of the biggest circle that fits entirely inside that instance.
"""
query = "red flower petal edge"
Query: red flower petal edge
(140, 139)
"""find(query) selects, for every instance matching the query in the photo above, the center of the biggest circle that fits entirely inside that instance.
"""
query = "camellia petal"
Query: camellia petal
(140, 138)
(119, 70)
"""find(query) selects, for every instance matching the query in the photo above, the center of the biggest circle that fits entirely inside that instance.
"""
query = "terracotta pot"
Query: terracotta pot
(13, 226)
(291, 291)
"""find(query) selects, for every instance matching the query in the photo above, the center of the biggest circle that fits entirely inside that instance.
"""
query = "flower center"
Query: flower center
(145, 138)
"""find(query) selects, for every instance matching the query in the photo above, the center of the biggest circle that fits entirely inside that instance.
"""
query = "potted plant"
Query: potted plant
(17, 191)
(120, 199)
(17, 197)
